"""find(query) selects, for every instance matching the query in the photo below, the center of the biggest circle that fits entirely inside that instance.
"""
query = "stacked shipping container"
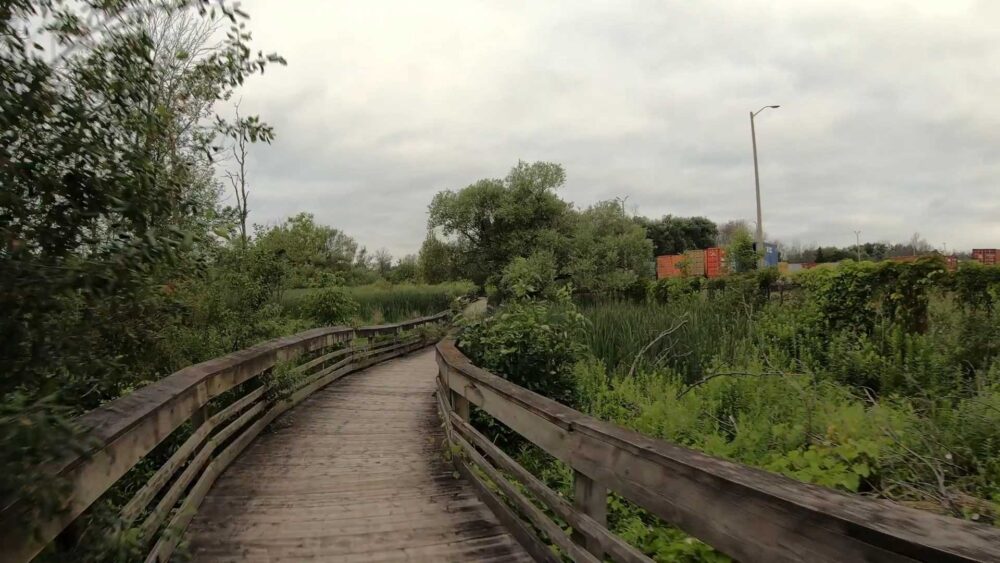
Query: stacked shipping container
(694, 263)
(715, 262)
(986, 256)
(667, 266)
(710, 262)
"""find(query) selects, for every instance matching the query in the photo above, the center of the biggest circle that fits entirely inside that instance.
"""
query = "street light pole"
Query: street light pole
(756, 178)
(857, 237)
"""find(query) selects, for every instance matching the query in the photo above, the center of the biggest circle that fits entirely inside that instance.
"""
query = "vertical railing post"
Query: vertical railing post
(460, 405)
(590, 498)
(201, 415)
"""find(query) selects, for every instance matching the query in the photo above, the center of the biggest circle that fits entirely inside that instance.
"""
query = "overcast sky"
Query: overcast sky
(889, 120)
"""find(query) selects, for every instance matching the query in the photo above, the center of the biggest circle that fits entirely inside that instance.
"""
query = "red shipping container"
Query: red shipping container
(986, 256)
(715, 262)
(668, 266)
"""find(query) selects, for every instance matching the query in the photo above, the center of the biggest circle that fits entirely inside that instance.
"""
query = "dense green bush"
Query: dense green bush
(330, 306)
(531, 277)
(977, 286)
(532, 343)
(669, 290)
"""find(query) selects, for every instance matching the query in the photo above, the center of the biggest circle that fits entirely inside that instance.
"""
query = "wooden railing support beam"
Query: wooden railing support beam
(460, 405)
(590, 498)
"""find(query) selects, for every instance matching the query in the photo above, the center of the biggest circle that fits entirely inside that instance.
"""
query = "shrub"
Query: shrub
(531, 277)
(977, 286)
(281, 381)
(330, 306)
(532, 343)
(668, 290)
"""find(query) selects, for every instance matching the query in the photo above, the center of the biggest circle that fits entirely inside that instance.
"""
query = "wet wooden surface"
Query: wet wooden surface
(354, 473)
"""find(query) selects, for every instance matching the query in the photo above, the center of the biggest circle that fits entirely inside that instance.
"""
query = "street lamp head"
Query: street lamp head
(764, 108)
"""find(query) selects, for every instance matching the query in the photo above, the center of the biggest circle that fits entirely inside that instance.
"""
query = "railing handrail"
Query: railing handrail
(109, 421)
(748, 513)
(120, 433)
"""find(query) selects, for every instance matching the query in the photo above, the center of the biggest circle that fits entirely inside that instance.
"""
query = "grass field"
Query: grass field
(384, 302)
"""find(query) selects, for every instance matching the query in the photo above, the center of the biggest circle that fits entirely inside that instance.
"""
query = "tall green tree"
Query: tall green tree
(494, 220)
(437, 261)
(609, 251)
(96, 163)
(674, 235)
(107, 202)
(314, 253)
(740, 253)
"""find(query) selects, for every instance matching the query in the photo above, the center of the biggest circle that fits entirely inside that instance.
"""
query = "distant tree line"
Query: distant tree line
(869, 251)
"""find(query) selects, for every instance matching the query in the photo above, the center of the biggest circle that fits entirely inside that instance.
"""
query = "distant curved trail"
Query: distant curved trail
(354, 473)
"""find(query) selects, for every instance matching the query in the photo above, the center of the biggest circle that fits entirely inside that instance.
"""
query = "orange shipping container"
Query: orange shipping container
(715, 262)
(669, 266)
(694, 263)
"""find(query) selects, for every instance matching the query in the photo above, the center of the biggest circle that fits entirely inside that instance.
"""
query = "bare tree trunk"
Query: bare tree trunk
(238, 179)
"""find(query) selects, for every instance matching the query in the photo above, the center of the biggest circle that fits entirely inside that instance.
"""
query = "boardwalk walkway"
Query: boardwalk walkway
(354, 473)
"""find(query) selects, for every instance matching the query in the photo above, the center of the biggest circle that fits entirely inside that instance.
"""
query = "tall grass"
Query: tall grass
(384, 302)
(684, 335)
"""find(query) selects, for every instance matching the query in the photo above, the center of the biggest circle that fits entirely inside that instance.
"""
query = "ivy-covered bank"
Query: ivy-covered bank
(875, 379)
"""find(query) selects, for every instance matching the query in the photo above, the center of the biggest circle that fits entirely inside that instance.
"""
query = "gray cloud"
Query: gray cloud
(888, 121)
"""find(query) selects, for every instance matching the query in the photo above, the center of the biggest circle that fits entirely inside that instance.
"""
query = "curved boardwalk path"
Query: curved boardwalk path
(354, 473)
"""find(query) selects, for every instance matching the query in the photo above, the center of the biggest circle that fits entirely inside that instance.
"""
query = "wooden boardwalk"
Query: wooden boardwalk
(354, 473)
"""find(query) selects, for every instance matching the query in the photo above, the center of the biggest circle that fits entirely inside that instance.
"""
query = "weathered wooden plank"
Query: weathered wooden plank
(165, 546)
(517, 528)
(144, 495)
(354, 473)
(127, 429)
(590, 498)
(533, 513)
(173, 494)
(460, 405)
(618, 548)
(323, 359)
(750, 514)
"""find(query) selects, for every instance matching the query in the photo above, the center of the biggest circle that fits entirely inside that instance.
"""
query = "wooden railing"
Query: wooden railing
(749, 514)
(124, 431)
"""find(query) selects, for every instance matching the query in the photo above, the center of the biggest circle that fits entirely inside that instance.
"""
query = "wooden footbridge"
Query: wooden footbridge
(342, 444)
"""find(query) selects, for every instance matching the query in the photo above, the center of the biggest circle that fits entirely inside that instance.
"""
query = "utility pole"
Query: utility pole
(756, 178)
(857, 237)
(622, 202)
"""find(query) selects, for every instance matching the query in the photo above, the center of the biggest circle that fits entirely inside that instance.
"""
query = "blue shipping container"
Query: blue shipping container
(771, 257)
